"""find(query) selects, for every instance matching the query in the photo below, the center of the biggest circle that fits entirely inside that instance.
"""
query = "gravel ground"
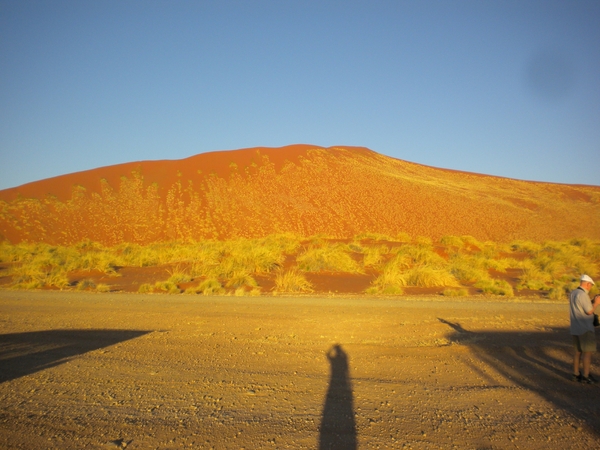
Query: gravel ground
(84, 370)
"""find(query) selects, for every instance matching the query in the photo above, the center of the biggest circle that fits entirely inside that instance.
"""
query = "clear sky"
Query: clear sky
(508, 88)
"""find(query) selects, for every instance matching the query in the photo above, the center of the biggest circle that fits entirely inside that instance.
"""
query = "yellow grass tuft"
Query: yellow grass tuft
(329, 257)
(455, 292)
(292, 281)
(429, 277)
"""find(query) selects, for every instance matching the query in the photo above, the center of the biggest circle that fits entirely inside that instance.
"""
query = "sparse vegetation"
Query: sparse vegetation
(291, 281)
(328, 258)
(455, 292)
(212, 267)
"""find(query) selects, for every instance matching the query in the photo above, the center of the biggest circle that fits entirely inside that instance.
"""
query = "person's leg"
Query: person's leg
(576, 360)
(587, 362)
(577, 356)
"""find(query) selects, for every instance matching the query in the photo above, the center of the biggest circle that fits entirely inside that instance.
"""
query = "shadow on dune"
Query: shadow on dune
(539, 362)
(26, 353)
(338, 429)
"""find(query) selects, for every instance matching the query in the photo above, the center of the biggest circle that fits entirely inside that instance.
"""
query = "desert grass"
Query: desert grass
(375, 237)
(292, 281)
(231, 267)
(418, 266)
(462, 292)
(391, 282)
(326, 257)
(424, 276)
(495, 287)
(374, 256)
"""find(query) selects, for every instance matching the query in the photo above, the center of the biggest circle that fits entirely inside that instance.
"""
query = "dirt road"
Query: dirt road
(157, 371)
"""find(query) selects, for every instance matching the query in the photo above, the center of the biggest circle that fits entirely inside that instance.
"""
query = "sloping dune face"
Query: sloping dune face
(305, 190)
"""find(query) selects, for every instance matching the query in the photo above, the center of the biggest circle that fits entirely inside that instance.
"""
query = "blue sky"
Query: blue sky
(508, 88)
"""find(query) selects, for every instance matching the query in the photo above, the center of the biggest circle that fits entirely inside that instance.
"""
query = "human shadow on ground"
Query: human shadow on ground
(26, 353)
(538, 361)
(338, 428)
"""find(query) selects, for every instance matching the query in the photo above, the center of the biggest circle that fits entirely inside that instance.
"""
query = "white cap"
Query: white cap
(587, 278)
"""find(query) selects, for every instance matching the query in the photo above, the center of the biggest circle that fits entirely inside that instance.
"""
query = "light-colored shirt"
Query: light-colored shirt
(579, 304)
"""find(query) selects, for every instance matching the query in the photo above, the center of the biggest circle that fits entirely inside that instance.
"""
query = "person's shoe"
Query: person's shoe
(576, 378)
(589, 379)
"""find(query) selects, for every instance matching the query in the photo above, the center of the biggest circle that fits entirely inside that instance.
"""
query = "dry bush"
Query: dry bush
(559, 291)
(403, 237)
(330, 257)
(489, 249)
(392, 280)
(374, 237)
(452, 244)
(451, 241)
(291, 281)
(424, 276)
(495, 287)
(240, 279)
(534, 278)
(211, 286)
(455, 292)
(421, 255)
(413, 265)
(42, 265)
(178, 275)
(146, 288)
(86, 283)
(423, 241)
(502, 264)
(532, 248)
(167, 286)
(374, 256)
(223, 259)
(101, 287)
(233, 264)
(471, 241)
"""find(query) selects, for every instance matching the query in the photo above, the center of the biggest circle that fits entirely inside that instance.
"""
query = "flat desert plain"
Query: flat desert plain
(84, 370)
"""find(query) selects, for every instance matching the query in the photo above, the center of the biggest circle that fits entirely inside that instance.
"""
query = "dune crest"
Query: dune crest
(302, 189)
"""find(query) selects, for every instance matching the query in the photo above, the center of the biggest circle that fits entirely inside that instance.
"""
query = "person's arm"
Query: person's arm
(595, 303)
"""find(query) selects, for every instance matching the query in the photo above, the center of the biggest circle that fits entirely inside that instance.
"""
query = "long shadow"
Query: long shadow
(338, 428)
(26, 353)
(539, 362)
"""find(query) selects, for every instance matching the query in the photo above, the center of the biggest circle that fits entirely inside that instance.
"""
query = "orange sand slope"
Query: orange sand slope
(302, 189)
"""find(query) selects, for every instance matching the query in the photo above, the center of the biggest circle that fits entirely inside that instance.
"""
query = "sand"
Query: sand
(305, 190)
(84, 370)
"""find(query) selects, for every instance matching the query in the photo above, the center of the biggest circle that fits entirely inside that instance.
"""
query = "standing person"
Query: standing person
(582, 328)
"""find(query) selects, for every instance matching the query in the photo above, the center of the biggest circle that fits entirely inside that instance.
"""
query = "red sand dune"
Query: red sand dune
(303, 189)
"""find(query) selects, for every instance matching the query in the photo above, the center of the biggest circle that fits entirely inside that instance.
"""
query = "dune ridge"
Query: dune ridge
(301, 189)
